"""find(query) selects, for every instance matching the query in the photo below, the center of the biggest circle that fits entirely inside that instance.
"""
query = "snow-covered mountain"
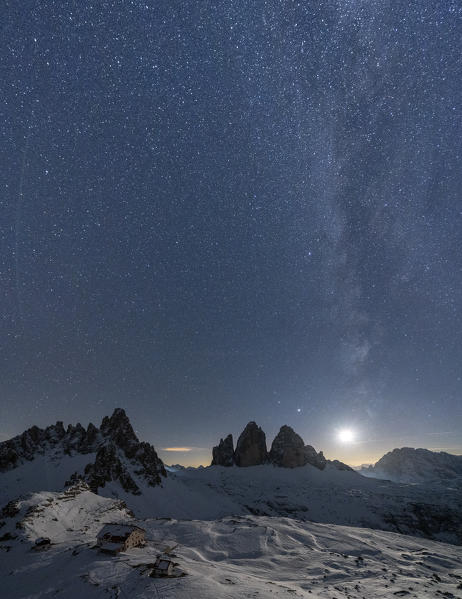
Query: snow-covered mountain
(292, 523)
(231, 557)
(305, 493)
(410, 465)
(293, 481)
(47, 459)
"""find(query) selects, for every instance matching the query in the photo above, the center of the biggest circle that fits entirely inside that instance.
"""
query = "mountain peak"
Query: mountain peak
(251, 446)
(118, 427)
(410, 465)
(287, 450)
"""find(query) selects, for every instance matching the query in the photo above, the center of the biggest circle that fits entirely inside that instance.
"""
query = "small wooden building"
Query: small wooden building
(113, 538)
(162, 567)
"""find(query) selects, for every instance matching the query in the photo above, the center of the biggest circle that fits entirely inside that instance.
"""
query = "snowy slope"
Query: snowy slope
(48, 472)
(330, 496)
(243, 556)
(116, 464)
(307, 493)
(109, 453)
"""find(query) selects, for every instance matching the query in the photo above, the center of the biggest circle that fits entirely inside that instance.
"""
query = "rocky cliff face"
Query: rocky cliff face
(314, 458)
(223, 453)
(107, 467)
(119, 453)
(288, 450)
(251, 447)
(36, 441)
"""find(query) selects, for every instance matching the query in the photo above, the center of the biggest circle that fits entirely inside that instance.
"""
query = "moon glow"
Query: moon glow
(346, 436)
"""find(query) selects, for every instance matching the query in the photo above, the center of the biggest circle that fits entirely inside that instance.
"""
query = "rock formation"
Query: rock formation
(108, 467)
(223, 453)
(119, 429)
(314, 458)
(116, 447)
(251, 446)
(287, 449)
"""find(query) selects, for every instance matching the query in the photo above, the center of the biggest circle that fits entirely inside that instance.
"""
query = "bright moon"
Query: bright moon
(346, 436)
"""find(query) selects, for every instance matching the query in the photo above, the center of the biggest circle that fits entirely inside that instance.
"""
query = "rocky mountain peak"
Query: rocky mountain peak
(118, 454)
(410, 465)
(55, 431)
(287, 449)
(118, 427)
(92, 433)
(108, 467)
(223, 453)
(251, 446)
(314, 458)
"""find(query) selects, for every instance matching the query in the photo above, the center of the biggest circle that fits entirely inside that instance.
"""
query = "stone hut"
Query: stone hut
(113, 538)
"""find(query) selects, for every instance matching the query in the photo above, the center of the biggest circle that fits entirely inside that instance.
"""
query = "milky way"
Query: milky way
(221, 211)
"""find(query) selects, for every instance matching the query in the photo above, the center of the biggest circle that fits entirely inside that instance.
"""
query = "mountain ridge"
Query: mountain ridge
(116, 450)
(113, 462)
(288, 450)
(410, 465)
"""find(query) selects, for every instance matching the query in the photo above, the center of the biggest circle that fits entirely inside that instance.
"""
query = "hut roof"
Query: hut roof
(118, 530)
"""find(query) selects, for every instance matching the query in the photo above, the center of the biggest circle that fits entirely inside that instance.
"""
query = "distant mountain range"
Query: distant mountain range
(113, 452)
(290, 480)
(408, 465)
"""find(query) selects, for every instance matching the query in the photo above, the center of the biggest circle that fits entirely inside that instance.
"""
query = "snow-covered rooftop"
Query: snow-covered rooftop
(118, 530)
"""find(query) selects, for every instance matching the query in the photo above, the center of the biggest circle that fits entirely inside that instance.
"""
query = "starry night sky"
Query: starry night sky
(216, 212)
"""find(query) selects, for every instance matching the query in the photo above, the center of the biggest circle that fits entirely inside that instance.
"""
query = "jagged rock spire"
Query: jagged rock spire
(287, 449)
(251, 446)
(223, 453)
(118, 427)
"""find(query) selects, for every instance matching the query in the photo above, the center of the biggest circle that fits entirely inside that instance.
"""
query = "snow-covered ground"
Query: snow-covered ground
(307, 493)
(329, 496)
(231, 557)
(261, 531)
(47, 472)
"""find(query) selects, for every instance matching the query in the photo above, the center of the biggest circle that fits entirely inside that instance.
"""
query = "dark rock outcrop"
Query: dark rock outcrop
(223, 453)
(314, 458)
(151, 466)
(119, 429)
(27, 445)
(287, 449)
(108, 467)
(251, 446)
(10, 510)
